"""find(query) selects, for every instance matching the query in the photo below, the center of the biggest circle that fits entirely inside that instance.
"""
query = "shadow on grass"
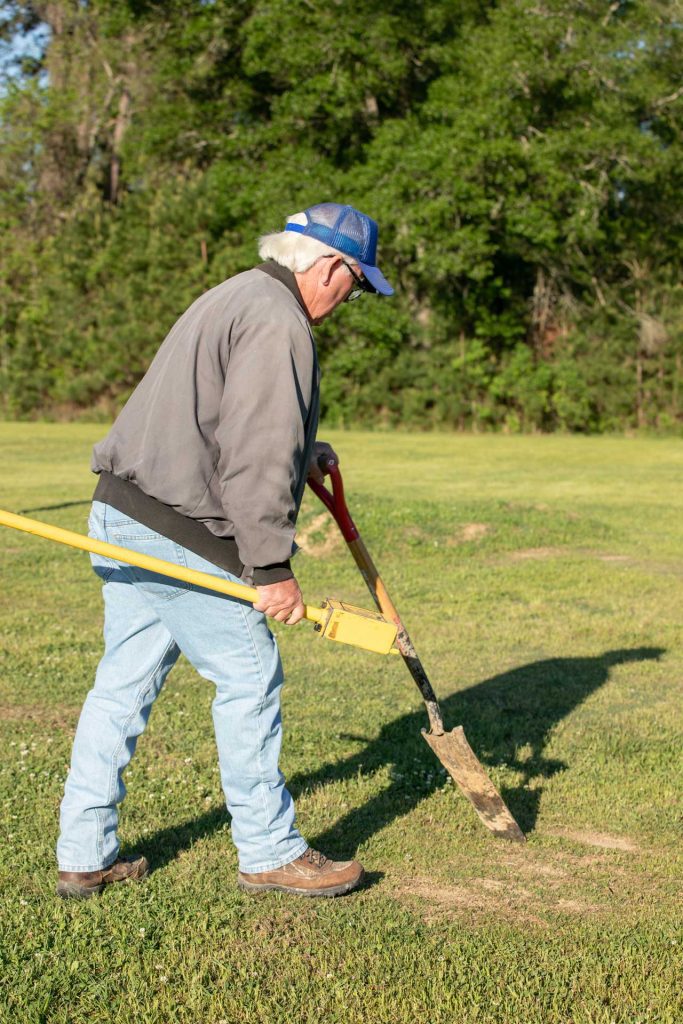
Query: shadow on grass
(508, 713)
(163, 846)
(52, 508)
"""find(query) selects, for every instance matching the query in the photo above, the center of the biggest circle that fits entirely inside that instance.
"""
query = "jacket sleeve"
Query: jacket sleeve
(261, 437)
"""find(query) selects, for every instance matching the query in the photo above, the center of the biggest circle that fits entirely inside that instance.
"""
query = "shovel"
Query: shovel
(451, 748)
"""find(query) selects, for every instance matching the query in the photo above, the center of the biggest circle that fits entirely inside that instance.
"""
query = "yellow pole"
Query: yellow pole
(148, 562)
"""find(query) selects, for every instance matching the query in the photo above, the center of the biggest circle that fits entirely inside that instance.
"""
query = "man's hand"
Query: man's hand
(281, 601)
(320, 448)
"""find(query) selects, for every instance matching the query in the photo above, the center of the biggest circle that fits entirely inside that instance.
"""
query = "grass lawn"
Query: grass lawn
(541, 580)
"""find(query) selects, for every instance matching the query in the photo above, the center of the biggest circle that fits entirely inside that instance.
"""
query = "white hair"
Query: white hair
(292, 250)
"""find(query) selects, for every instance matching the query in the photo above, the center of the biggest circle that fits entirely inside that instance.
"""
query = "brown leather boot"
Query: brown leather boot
(80, 885)
(312, 874)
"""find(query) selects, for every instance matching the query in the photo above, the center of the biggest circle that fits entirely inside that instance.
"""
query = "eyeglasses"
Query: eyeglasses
(363, 285)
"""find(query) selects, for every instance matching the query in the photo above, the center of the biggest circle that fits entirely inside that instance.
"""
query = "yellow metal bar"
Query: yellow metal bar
(335, 621)
(118, 554)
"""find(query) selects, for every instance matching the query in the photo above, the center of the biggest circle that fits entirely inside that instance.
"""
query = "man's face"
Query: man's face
(325, 285)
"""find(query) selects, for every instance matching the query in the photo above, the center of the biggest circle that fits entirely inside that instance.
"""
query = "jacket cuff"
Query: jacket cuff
(276, 573)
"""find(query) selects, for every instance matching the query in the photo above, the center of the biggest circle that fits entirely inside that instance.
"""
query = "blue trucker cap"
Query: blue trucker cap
(350, 232)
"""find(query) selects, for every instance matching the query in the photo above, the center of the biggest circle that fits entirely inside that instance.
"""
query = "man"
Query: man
(206, 467)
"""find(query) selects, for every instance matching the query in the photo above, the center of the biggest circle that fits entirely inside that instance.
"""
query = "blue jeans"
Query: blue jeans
(148, 621)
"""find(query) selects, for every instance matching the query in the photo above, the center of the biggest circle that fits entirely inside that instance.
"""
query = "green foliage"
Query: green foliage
(523, 161)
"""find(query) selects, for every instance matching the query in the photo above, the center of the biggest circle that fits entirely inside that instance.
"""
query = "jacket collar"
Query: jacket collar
(287, 278)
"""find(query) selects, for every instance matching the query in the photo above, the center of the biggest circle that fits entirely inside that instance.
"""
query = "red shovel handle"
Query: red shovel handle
(334, 499)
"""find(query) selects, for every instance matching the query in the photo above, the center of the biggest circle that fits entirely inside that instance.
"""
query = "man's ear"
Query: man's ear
(329, 267)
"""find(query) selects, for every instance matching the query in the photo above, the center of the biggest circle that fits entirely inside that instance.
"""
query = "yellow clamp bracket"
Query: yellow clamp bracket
(335, 621)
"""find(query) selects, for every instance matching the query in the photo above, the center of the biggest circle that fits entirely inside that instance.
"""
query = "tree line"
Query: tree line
(523, 158)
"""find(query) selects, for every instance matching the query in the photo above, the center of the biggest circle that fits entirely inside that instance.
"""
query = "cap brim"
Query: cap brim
(376, 279)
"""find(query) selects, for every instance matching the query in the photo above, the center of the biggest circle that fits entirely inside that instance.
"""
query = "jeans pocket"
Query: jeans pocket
(144, 541)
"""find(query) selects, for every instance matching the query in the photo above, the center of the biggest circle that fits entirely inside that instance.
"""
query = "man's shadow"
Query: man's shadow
(506, 716)
(508, 720)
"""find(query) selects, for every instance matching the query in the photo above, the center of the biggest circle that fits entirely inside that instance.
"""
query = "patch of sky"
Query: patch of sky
(21, 54)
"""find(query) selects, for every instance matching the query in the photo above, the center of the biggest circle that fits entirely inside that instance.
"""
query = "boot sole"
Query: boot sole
(74, 891)
(330, 890)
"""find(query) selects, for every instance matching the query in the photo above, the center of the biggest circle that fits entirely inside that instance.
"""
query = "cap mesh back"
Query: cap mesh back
(344, 228)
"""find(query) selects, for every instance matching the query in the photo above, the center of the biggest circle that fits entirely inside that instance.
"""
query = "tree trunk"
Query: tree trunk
(120, 126)
(640, 401)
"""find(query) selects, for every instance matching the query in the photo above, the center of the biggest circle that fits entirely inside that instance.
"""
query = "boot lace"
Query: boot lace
(314, 857)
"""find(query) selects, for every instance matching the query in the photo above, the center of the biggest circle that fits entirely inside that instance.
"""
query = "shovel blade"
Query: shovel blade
(462, 764)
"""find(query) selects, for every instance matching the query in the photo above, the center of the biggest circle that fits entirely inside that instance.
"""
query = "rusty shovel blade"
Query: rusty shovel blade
(462, 764)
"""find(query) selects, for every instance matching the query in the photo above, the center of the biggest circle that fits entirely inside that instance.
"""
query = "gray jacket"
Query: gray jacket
(222, 425)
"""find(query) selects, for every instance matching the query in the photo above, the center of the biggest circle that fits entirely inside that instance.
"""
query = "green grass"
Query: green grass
(541, 582)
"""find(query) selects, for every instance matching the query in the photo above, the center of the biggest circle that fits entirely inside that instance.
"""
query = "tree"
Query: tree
(522, 158)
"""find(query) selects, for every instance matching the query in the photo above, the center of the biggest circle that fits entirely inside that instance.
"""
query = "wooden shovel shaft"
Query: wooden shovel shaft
(384, 603)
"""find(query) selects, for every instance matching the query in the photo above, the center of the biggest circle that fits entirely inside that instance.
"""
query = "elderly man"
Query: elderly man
(206, 467)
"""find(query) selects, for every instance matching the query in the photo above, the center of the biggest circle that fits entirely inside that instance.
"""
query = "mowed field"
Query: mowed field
(541, 579)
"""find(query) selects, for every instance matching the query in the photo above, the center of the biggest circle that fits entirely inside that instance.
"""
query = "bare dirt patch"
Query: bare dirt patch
(536, 554)
(534, 886)
(487, 898)
(468, 533)
(477, 897)
(56, 717)
(603, 840)
(577, 907)
(320, 538)
(473, 531)
(535, 868)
